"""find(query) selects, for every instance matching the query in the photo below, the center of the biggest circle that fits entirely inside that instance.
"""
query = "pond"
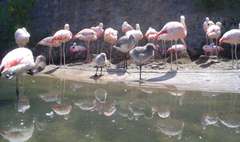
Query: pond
(53, 109)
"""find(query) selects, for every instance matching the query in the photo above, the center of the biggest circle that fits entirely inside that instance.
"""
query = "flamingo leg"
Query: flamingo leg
(176, 59)
(140, 71)
(236, 55)
(64, 60)
(97, 45)
(125, 60)
(111, 52)
(61, 55)
(101, 72)
(102, 46)
(96, 72)
(171, 56)
(88, 53)
(232, 54)
(50, 55)
(17, 92)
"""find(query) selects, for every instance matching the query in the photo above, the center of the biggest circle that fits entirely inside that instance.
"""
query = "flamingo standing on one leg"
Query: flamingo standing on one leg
(206, 25)
(150, 34)
(77, 48)
(214, 31)
(110, 36)
(142, 54)
(48, 42)
(173, 31)
(126, 27)
(63, 36)
(86, 35)
(125, 44)
(19, 61)
(176, 49)
(21, 37)
(137, 34)
(99, 30)
(232, 37)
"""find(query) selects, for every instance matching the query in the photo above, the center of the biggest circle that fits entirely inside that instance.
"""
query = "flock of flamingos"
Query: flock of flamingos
(20, 60)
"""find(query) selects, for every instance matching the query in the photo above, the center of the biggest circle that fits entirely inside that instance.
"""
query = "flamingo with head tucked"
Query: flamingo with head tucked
(232, 37)
(150, 34)
(99, 30)
(110, 36)
(19, 61)
(86, 35)
(206, 25)
(21, 37)
(173, 31)
(126, 27)
(137, 34)
(63, 35)
(214, 31)
(48, 42)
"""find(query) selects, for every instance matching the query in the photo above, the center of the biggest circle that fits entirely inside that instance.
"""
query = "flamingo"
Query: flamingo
(77, 48)
(232, 37)
(150, 34)
(21, 37)
(125, 44)
(100, 61)
(63, 35)
(173, 31)
(177, 48)
(99, 30)
(86, 35)
(214, 31)
(110, 36)
(48, 42)
(126, 27)
(211, 48)
(19, 61)
(142, 54)
(206, 25)
(137, 34)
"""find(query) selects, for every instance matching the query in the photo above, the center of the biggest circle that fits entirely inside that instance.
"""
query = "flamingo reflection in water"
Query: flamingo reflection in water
(109, 107)
(76, 85)
(86, 103)
(141, 107)
(122, 108)
(232, 119)
(21, 127)
(170, 127)
(62, 108)
(211, 116)
(50, 96)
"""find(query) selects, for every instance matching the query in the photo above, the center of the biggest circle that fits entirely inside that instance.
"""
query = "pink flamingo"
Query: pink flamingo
(99, 30)
(206, 25)
(177, 48)
(19, 61)
(232, 37)
(126, 27)
(21, 37)
(48, 42)
(211, 48)
(63, 35)
(78, 48)
(137, 34)
(150, 34)
(86, 35)
(214, 31)
(110, 36)
(173, 31)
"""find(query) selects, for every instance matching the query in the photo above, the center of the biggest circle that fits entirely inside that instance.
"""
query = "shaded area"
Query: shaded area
(51, 71)
(118, 72)
(167, 76)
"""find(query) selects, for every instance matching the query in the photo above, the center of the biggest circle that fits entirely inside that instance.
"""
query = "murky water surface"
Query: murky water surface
(51, 109)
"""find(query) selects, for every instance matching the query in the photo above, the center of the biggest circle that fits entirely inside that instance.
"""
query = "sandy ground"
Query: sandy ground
(204, 74)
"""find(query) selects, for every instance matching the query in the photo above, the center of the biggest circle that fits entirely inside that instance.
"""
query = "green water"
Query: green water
(113, 112)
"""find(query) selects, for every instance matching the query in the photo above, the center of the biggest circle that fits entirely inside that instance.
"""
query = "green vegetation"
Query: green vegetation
(14, 14)
(212, 5)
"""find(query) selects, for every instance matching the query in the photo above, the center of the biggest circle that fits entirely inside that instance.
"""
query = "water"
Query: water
(113, 112)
